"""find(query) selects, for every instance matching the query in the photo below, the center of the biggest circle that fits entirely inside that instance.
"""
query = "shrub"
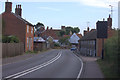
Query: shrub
(56, 45)
(111, 54)
(10, 39)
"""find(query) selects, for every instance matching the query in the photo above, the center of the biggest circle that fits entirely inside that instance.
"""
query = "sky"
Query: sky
(57, 13)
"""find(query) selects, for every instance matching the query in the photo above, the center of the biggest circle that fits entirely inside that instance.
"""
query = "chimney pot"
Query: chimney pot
(20, 6)
(8, 6)
(103, 19)
(18, 10)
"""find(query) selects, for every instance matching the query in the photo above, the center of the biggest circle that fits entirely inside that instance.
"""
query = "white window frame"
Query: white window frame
(31, 30)
(27, 41)
(27, 28)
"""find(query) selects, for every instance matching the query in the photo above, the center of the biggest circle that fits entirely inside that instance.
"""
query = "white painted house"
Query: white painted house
(74, 39)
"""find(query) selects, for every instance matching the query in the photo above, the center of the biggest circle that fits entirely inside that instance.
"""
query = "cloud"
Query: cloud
(100, 3)
(95, 3)
(49, 8)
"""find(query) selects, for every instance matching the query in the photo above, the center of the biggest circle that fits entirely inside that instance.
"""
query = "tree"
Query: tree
(38, 26)
(68, 29)
(76, 30)
(64, 40)
(61, 33)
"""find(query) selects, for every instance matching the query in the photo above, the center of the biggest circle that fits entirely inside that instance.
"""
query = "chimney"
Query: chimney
(85, 32)
(47, 27)
(18, 10)
(51, 28)
(109, 22)
(88, 29)
(8, 6)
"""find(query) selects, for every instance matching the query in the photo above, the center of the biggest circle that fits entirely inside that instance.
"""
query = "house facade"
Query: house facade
(74, 39)
(90, 45)
(17, 26)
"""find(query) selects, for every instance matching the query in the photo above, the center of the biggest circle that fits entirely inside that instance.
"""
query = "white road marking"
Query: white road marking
(17, 75)
(81, 67)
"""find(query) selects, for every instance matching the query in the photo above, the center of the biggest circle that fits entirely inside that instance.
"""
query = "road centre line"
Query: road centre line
(17, 75)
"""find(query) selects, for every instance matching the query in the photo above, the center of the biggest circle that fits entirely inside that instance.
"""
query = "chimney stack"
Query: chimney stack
(109, 22)
(18, 10)
(88, 29)
(8, 6)
(47, 27)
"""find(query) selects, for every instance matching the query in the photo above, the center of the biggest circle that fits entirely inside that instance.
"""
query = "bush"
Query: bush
(111, 57)
(56, 45)
(10, 39)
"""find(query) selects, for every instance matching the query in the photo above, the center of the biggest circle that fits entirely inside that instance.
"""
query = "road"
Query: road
(52, 64)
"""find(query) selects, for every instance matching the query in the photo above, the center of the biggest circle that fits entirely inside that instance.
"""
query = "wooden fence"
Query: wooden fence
(12, 49)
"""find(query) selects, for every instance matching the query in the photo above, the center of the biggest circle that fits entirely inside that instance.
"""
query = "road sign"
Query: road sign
(102, 27)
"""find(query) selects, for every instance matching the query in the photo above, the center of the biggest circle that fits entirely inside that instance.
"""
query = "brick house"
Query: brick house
(17, 26)
(45, 33)
(90, 44)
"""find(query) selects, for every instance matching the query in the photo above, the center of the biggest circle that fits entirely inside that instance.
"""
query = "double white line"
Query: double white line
(17, 75)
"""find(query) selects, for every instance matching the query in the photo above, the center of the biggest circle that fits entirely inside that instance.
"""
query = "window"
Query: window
(31, 30)
(27, 28)
(27, 41)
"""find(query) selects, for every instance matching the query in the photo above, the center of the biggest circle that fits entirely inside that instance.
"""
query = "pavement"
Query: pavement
(91, 68)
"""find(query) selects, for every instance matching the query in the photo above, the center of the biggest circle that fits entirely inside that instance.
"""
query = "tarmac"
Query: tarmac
(90, 68)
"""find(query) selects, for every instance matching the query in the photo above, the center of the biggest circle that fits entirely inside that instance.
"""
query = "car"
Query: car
(73, 48)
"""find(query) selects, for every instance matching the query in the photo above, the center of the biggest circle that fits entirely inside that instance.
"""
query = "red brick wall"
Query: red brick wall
(14, 26)
(29, 35)
(99, 42)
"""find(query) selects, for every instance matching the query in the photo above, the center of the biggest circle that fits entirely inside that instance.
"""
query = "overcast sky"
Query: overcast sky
(54, 13)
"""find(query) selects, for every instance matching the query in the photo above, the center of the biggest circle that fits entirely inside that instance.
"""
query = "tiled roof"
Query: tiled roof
(79, 35)
(38, 39)
(19, 17)
(67, 35)
(90, 35)
(50, 32)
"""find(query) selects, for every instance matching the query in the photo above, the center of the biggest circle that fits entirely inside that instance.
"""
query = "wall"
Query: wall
(40, 46)
(12, 49)
(29, 35)
(14, 26)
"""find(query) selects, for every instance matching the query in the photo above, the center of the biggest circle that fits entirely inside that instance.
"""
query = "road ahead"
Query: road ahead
(52, 64)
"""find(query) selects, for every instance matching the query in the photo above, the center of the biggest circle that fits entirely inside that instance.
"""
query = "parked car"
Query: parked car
(73, 48)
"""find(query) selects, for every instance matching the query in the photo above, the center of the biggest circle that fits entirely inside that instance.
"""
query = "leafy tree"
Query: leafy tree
(67, 31)
(38, 26)
(76, 30)
(64, 40)
(61, 33)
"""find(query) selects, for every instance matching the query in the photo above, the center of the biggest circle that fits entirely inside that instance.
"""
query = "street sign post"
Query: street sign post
(102, 28)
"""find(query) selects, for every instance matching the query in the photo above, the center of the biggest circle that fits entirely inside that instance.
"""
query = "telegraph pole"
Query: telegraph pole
(111, 10)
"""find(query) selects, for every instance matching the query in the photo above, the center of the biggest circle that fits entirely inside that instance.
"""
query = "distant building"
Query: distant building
(39, 44)
(15, 25)
(45, 33)
(74, 38)
(92, 46)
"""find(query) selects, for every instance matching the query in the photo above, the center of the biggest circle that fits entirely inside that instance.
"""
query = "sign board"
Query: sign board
(102, 28)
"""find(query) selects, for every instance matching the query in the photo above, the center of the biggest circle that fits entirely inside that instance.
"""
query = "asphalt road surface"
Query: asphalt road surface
(52, 64)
